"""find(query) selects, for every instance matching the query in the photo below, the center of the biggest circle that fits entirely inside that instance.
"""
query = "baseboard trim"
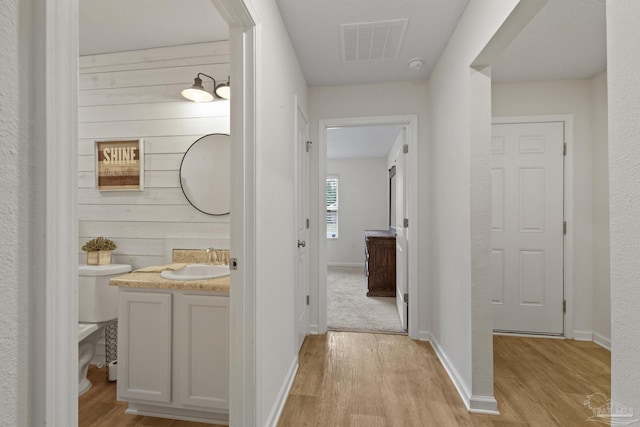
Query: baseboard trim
(583, 335)
(474, 403)
(276, 410)
(602, 341)
(424, 336)
(461, 386)
(487, 405)
(314, 329)
(345, 264)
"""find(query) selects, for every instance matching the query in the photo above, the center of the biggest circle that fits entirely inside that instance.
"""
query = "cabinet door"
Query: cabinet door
(202, 351)
(144, 346)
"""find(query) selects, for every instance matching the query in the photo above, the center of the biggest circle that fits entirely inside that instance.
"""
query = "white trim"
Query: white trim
(474, 404)
(567, 119)
(314, 329)
(56, 339)
(514, 334)
(281, 399)
(583, 335)
(345, 264)
(298, 109)
(411, 123)
(424, 336)
(602, 341)
(244, 346)
(135, 408)
(487, 405)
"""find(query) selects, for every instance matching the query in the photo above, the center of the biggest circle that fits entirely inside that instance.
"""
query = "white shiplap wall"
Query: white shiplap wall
(136, 94)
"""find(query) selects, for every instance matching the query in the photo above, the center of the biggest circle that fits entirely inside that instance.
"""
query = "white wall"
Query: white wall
(565, 97)
(279, 81)
(363, 188)
(136, 94)
(16, 193)
(459, 104)
(387, 99)
(600, 169)
(623, 57)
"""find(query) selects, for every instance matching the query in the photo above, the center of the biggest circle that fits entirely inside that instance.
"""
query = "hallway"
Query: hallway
(356, 379)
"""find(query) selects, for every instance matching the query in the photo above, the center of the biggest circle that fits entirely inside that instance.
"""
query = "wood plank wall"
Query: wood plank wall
(136, 94)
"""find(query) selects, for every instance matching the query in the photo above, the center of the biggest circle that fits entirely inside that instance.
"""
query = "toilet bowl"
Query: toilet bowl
(88, 335)
(97, 304)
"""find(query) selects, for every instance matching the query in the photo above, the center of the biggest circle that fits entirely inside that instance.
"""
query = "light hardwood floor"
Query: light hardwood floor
(99, 408)
(351, 379)
(356, 379)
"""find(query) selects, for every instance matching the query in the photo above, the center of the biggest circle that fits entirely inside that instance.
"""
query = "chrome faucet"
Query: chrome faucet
(211, 253)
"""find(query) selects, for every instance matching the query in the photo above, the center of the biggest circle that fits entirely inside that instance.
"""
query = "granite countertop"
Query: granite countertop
(150, 279)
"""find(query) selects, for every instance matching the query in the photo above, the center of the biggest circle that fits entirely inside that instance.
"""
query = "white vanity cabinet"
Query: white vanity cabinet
(173, 354)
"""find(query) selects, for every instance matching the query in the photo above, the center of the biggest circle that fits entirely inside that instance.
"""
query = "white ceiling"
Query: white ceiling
(314, 28)
(566, 40)
(121, 25)
(361, 141)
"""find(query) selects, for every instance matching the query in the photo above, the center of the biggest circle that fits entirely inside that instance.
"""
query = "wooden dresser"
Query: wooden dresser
(380, 262)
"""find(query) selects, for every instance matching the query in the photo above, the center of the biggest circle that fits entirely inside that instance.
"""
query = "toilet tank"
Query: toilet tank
(97, 300)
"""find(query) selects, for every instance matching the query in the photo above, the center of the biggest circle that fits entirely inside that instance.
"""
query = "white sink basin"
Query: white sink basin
(196, 272)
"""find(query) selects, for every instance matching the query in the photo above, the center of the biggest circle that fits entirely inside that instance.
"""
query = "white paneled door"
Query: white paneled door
(527, 238)
(402, 213)
(302, 229)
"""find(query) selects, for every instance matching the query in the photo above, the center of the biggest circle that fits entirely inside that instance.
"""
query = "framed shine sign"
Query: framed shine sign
(120, 165)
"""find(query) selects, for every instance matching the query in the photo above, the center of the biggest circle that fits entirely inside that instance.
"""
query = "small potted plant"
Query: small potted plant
(99, 250)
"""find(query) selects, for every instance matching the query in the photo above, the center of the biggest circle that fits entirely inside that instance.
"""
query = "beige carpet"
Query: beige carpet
(349, 308)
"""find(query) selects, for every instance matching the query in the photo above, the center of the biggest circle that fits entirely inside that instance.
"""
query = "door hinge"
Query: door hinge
(405, 148)
(564, 228)
(405, 297)
(307, 299)
(233, 263)
(405, 223)
(564, 306)
(309, 145)
(307, 223)
(564, 149)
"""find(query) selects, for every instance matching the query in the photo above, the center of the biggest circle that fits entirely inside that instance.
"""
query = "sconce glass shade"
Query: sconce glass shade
(223, 91)
(197, 93)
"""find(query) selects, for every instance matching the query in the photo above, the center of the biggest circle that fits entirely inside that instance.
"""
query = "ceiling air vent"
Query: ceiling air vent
(372, 41)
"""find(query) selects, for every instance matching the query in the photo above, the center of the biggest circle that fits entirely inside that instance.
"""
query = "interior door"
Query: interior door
(402, 213)
(527, 238)
(302, 229)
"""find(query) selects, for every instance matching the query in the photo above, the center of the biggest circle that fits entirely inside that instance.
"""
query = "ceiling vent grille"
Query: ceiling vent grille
(372, 41)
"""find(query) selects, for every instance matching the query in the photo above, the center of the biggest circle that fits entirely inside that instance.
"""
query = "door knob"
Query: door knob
(302, 243)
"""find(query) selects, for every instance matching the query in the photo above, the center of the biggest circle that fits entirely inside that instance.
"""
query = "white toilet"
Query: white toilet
(97, 303)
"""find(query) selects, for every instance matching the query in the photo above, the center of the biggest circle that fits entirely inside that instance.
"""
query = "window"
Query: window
(332, 208)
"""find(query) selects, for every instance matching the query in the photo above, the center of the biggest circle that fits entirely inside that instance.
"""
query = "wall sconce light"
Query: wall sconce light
(223, 90)
(197, 92)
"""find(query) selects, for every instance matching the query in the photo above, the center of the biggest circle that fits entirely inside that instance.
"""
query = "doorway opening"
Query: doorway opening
(367, 268)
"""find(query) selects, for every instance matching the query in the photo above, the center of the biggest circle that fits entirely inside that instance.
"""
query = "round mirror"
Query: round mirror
(205, 174)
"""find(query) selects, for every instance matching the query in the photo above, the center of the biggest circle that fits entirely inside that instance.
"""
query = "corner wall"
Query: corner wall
(279, 83)
(459, 104)
(17, 191)
(136, 94)
(600, 182)
(623, 61)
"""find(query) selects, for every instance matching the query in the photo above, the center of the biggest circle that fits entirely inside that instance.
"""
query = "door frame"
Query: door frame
(567, 120)
(54, 333)
(411, 123)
